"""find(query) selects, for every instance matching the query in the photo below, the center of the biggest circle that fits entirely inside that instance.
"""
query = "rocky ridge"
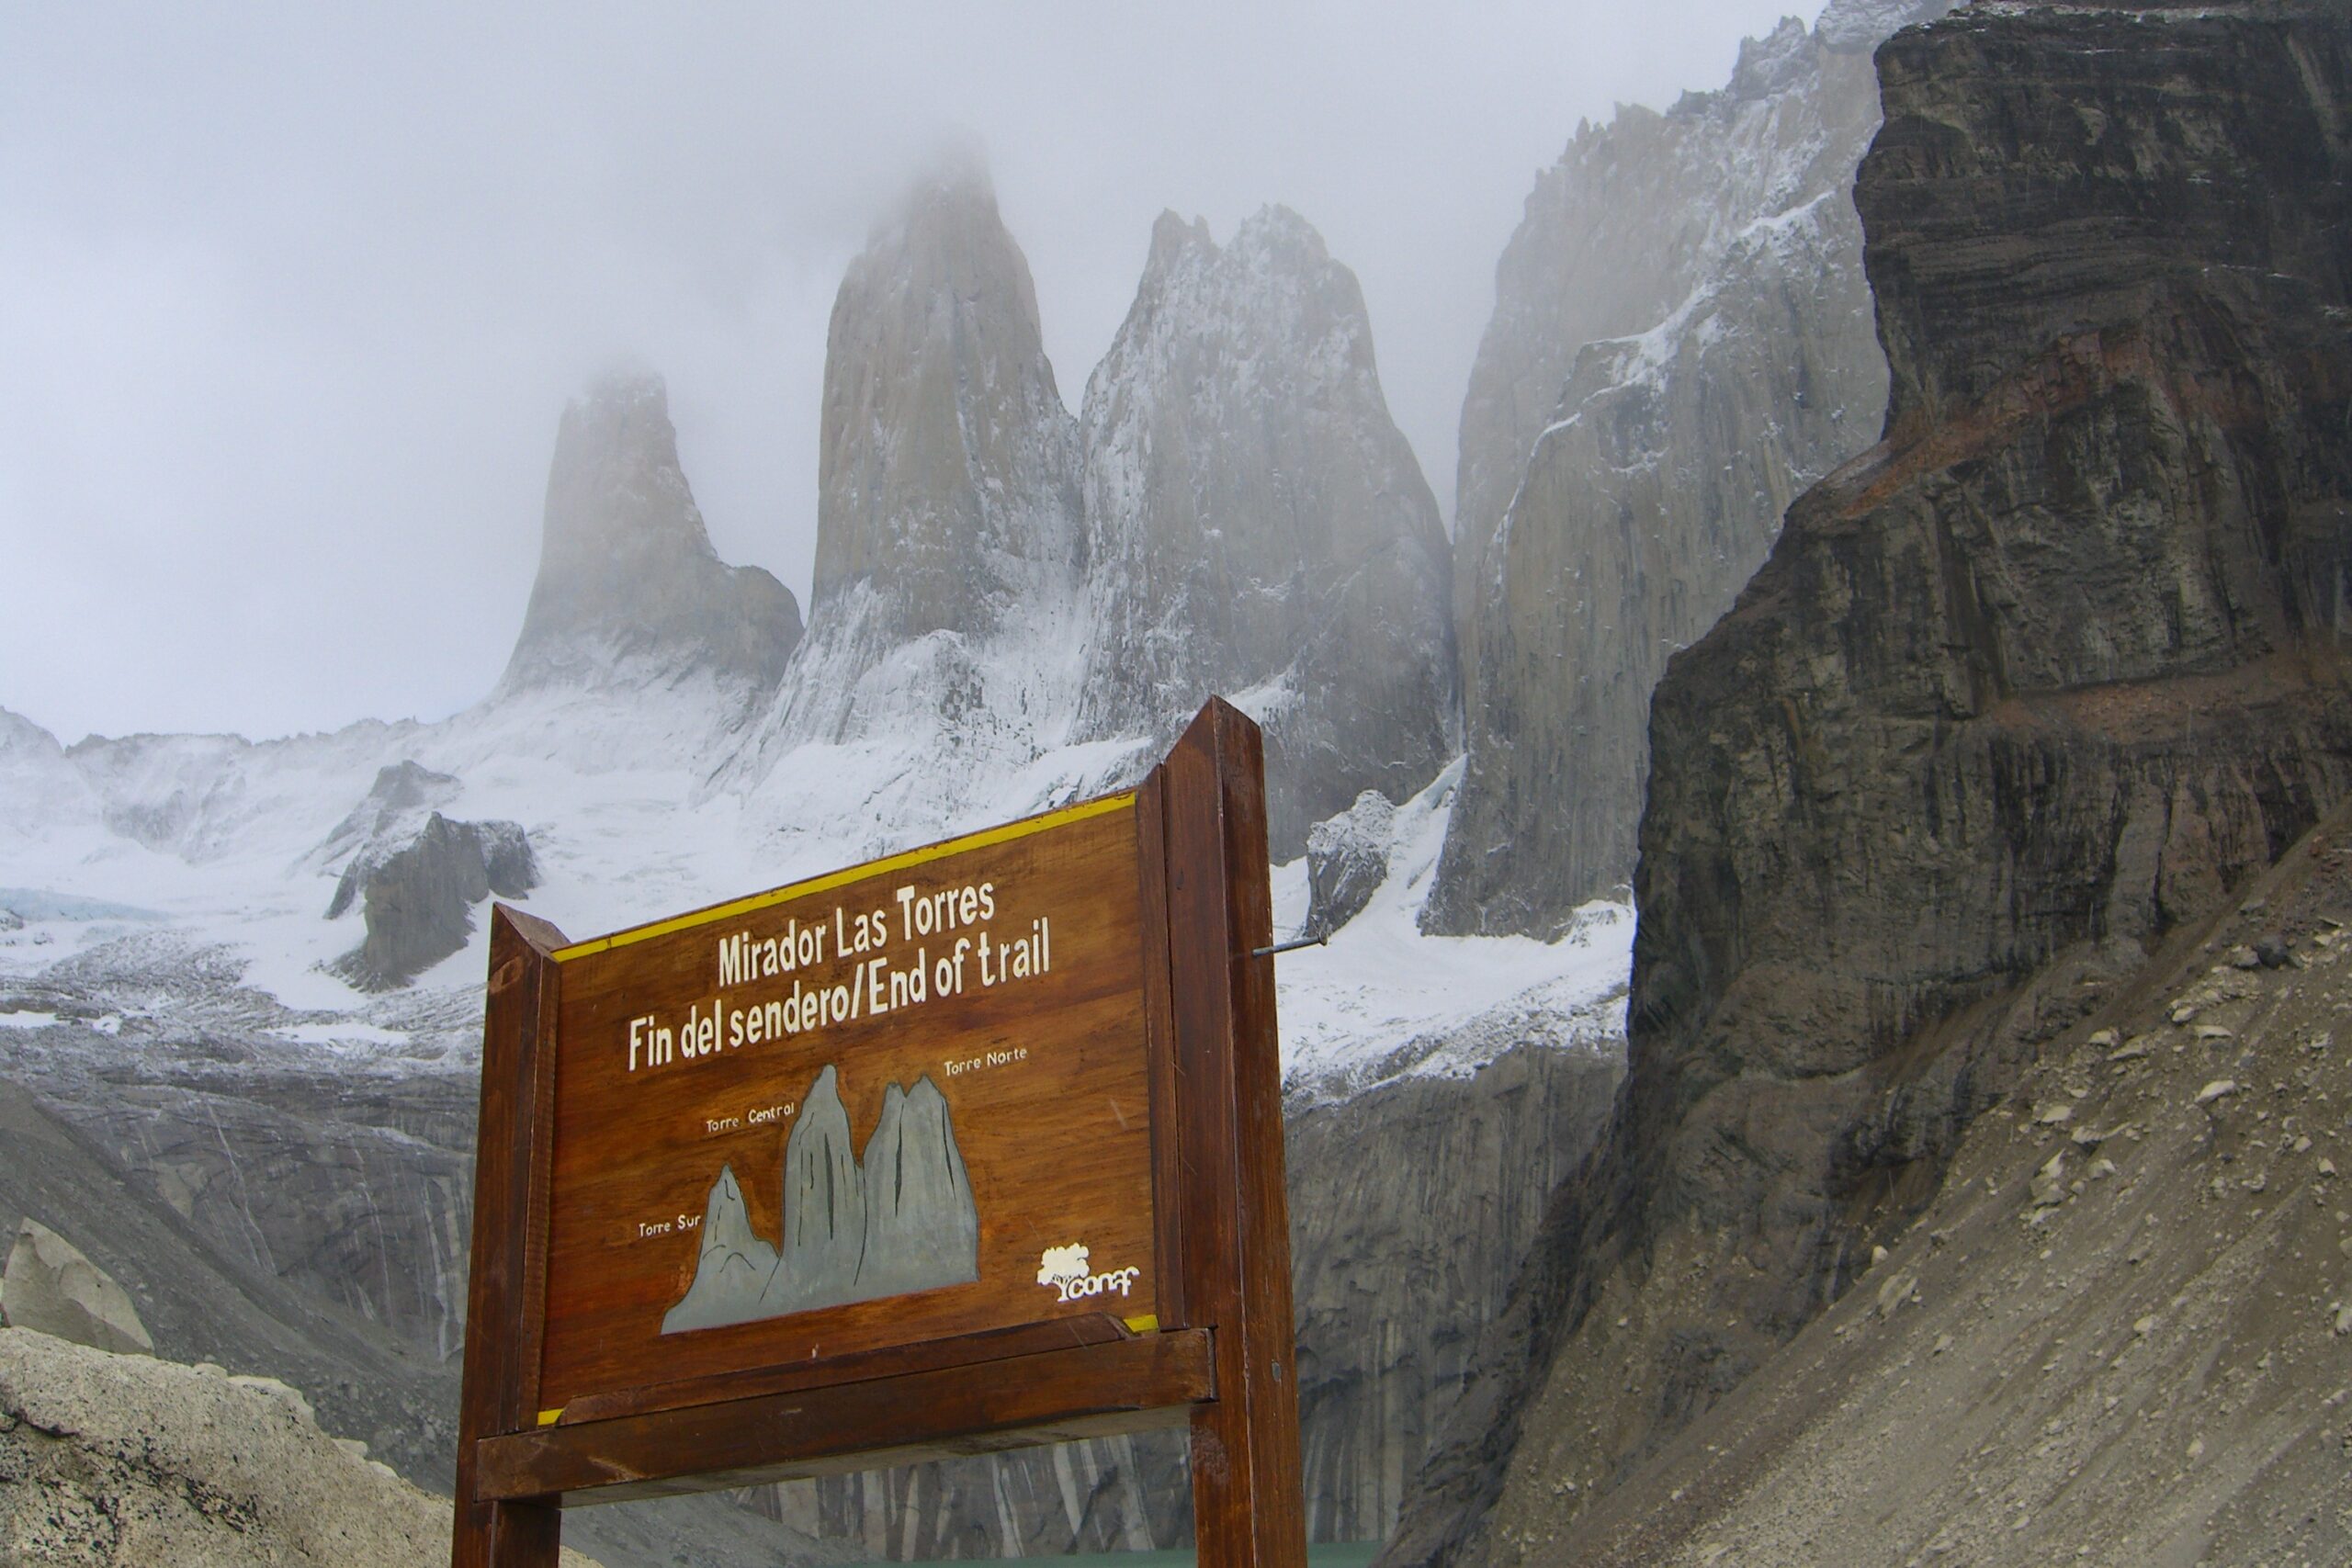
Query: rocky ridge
(1681, 342)
(2033, 683)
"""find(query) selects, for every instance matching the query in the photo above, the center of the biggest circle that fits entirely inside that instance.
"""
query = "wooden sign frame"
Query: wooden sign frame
(1219, 1358)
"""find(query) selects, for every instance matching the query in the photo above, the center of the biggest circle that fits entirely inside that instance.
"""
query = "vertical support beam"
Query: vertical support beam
(504, 1288)
(1247, 1502)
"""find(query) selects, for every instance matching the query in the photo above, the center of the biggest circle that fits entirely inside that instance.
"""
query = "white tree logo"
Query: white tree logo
(1062, 1264)
(1065, 1270)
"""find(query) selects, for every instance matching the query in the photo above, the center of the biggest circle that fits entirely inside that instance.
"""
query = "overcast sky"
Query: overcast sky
(291, 297)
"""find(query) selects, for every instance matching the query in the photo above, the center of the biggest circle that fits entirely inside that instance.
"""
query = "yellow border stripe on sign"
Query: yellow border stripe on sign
(1004, 834)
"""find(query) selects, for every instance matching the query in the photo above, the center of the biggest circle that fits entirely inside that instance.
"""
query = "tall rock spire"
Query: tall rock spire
(947, 473)
(629, 585)
(1257, 525)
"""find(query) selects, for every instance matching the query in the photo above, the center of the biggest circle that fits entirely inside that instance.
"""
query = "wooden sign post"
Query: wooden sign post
(968, 1148)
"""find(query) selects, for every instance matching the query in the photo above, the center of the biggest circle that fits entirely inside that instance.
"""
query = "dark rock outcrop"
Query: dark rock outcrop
(2031, 682)
(1681, 342)
(417, 891)
(630, 590)
(1256, 525)
(1413, 1206)
(1346, 861)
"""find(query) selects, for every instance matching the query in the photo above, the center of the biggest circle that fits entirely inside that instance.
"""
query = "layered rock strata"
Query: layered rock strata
(629, 590)
(1256, 525)
(2119, 1332)
(2034, 680)
(1681, 342)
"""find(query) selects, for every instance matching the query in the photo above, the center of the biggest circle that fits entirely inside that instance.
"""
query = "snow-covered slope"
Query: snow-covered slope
(625, 825)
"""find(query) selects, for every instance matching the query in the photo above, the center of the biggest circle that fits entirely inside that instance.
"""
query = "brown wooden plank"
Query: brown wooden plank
(1160, 1032)
(533, 1188)
(895, 1360)
(1278, 1526)
(1247, 1502)
(1123, 1384)
(488, 1533)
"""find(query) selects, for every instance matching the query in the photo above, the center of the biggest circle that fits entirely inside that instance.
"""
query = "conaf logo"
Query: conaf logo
(1065, 1269)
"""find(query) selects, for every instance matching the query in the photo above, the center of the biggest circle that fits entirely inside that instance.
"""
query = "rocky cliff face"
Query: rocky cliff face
(630, 590)
(2033, 680)
(1413, 1207)
(2117, 1335)
(947, 513)
(213, 1279)
(1681, 342)
(1257, 527)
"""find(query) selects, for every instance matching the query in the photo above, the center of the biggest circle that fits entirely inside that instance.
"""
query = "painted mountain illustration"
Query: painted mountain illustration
(902, 1219)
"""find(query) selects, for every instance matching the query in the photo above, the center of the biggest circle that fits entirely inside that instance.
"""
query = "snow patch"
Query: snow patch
(1384, 1001)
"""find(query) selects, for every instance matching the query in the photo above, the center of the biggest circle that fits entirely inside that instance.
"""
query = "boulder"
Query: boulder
(118, 1462)
(53, 1288)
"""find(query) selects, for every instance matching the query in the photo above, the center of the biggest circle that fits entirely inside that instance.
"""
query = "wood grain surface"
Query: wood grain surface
(1099, 1389)
(1046, 1073)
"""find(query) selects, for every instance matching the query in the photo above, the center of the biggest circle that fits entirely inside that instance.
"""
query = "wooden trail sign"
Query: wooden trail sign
(964, 1148)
